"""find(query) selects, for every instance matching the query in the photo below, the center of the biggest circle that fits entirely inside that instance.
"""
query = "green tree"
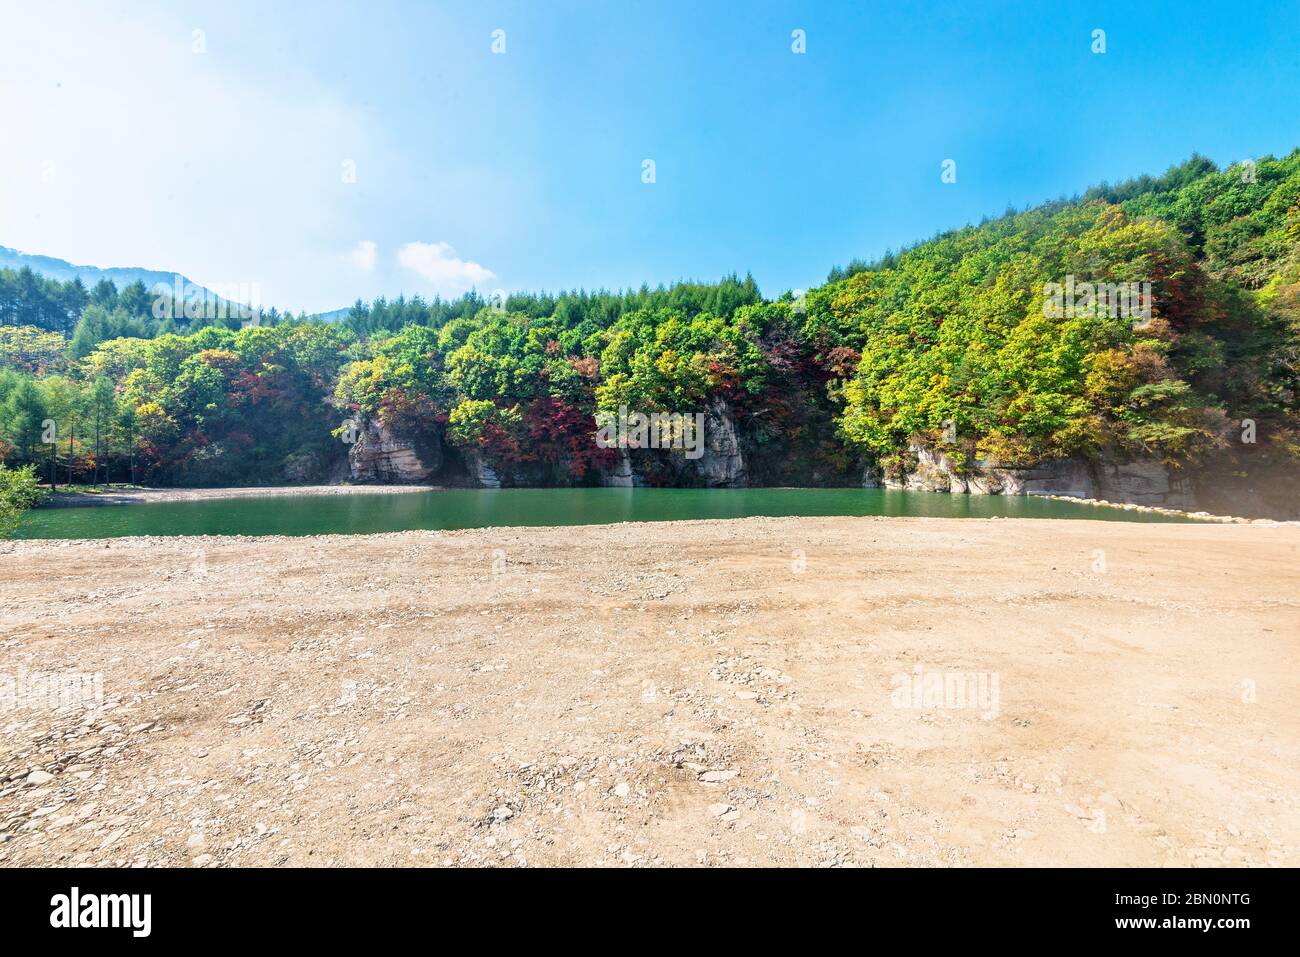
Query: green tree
(21, 418)
(19, 491)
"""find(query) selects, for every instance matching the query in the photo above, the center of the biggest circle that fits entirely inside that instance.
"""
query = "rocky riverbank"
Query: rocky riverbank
(1220, 490)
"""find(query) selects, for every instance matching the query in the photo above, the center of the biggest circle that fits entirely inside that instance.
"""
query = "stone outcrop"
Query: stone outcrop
(720, 463)
(723, 464)
(1139, 482)
(378, 455)
(480, 472)
(621, 475)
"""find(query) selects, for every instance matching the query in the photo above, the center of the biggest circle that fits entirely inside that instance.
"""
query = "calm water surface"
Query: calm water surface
(481, 508)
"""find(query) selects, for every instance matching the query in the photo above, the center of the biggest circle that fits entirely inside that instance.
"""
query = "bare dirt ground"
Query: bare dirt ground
(717, 693)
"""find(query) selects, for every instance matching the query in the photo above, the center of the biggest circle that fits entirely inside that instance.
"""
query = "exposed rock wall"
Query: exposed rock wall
(622, 475)
(723, 464)
(1220, 487)
(480, 473)
(1139, 482)
(720, 463)
(378, 455)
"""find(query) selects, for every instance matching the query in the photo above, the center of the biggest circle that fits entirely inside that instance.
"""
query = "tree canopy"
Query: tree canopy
(947, 342)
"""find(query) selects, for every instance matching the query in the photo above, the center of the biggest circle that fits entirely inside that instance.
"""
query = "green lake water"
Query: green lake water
(481, 508)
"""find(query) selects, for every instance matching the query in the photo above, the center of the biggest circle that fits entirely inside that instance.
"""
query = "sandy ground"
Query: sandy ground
(138, 496)
(718, 693)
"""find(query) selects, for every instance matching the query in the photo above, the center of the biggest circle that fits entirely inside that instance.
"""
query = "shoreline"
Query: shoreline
(707, 528)
(145, 496)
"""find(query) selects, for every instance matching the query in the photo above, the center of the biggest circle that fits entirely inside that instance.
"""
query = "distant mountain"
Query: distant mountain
(63, 270)
(123, 276)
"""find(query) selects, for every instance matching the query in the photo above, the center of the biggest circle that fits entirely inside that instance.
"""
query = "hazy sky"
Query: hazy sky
(131, 140)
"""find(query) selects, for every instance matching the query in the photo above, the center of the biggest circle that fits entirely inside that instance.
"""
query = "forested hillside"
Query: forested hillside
(946, 344)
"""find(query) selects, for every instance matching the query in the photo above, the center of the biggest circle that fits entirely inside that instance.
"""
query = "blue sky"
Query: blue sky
(523, 170)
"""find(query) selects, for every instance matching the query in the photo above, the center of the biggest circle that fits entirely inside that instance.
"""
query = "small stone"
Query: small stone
(746, 695)
(40, 777)
(622, 789)
(717, 777)
(502, 813)
(202, 860)
(718, 810)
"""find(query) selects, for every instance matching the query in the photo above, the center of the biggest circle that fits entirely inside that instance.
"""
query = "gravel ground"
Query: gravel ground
(694, 693)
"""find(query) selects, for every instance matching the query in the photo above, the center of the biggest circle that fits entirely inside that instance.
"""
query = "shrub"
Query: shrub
(19, 491)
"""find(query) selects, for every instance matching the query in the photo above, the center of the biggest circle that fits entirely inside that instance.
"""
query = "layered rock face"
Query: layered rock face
(622, 475)
(1219, 487)
(380, 456)
(722, 465)
(481, 474)
(1140, 482)
(719, 464)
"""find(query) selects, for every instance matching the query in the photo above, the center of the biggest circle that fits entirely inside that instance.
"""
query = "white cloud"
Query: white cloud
(365, 254)
(449, 275)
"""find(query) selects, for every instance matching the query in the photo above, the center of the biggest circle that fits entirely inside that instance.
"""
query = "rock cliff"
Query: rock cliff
(1139, 482)
(722, 465)
(379, 455)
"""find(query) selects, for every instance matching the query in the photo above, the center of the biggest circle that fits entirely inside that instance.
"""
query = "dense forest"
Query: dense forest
(946, 343)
